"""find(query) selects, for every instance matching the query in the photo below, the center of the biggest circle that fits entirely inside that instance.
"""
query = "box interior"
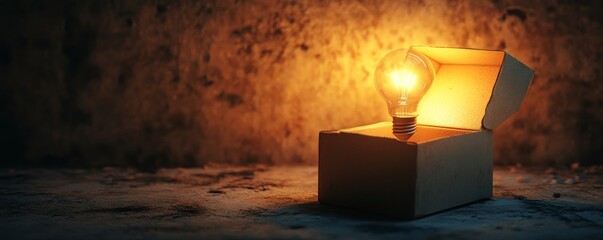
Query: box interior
(423, 134)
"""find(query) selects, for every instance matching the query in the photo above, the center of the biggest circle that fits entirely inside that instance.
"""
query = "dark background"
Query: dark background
(184, 83)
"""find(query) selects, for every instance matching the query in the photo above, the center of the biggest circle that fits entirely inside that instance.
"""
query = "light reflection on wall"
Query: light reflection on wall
(253, 82)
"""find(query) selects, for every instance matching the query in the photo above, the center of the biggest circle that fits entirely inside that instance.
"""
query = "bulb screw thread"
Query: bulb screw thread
(404, 125)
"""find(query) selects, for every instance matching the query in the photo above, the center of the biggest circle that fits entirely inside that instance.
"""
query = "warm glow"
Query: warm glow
(403, 79)
(463, 90)
(459, 97)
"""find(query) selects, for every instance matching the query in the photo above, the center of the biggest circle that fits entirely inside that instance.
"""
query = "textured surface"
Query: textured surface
(219, 202)
(181, 83)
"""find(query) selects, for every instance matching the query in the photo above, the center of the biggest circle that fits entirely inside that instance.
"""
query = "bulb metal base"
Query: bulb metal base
(404, 125)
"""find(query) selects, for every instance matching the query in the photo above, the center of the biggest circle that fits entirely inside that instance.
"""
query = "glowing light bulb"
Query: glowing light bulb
(402, 77)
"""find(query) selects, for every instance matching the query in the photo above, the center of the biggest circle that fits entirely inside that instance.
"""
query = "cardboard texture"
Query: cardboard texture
(448, 161)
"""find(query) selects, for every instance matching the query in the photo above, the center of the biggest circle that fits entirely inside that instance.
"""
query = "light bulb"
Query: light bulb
(402, 77)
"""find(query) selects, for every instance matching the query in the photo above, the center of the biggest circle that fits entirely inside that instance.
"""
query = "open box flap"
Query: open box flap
(473, 88)
(511, 87)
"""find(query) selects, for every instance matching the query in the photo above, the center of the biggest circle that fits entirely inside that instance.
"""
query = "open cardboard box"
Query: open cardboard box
(448, 161)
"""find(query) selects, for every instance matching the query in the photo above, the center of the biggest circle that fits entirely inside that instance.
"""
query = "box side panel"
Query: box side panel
(453, 171)
(367, 173)
(509, 92)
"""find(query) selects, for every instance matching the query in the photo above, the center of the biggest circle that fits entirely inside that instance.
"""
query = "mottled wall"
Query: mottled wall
(180, 83)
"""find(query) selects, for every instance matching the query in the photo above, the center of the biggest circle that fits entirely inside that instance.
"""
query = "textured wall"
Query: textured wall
(172, 83)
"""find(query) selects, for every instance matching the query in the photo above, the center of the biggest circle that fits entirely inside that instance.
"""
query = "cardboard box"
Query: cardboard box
(448, 161)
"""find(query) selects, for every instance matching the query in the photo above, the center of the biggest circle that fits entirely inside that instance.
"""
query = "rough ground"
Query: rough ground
(279, 202)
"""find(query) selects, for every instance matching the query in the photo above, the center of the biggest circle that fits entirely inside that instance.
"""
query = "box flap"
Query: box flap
(473, 88)
(511, 87)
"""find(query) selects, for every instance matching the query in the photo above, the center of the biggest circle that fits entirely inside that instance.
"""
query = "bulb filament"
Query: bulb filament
(403, 80)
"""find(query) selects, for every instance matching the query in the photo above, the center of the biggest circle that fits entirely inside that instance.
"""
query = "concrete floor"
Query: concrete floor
(279, 202)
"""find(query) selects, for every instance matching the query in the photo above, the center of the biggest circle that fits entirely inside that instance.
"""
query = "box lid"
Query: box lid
(473, 88)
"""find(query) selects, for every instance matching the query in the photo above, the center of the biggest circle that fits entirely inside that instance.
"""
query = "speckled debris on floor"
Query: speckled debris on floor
(280, 202)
